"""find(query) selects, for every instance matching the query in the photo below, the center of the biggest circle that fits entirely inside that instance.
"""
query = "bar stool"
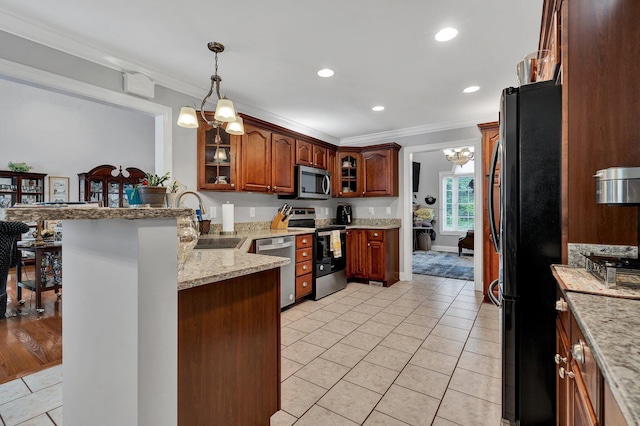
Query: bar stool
(9, 257)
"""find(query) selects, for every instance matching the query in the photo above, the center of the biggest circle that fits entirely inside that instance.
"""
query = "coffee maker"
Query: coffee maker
(343, 214)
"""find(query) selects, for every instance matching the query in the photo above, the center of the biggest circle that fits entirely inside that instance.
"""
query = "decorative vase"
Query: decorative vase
(187, 238)
(152, 195)
(171, 200)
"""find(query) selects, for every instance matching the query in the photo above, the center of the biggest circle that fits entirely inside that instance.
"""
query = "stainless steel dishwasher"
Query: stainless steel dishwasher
(283, 247)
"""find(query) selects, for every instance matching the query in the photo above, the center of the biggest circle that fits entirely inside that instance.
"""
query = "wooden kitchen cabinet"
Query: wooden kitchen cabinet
(331, 167)
(217, 157)
(21, 187)
(579, 383)
(372, 255)
(266, 161)
(380, 172)
(348, 177)
(356, 255)
(310, 154)
(368, 171)
(490, 258)
(304, 265)
(100, 184)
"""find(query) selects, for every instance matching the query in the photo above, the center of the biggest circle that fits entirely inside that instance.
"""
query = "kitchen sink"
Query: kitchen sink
(219, 243)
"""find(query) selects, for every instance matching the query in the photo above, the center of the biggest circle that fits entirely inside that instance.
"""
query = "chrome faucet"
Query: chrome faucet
(203, 210)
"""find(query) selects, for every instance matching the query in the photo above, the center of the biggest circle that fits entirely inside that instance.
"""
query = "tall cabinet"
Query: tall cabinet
(104, 185)
(490, 258)
(21, 187)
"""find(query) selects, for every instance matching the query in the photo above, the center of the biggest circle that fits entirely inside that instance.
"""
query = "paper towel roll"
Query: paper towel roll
(227, 218)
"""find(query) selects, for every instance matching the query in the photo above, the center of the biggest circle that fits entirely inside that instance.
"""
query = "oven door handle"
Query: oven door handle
(327, 233)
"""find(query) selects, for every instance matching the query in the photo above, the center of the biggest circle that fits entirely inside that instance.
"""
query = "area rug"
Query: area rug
(443, 264)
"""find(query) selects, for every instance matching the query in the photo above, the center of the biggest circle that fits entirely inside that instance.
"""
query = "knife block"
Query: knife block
(278, 223)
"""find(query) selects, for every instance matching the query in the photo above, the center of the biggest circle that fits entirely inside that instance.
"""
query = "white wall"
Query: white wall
(63, 135)
(431, 164)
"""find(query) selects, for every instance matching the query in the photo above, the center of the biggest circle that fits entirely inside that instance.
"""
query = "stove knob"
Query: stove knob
(322, 267)
(561, 305)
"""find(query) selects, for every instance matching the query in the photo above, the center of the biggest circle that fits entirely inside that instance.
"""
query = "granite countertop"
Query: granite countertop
(611, 326)
(30, 214)
(212, 265)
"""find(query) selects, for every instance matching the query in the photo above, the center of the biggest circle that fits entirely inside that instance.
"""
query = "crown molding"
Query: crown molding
(412, 131)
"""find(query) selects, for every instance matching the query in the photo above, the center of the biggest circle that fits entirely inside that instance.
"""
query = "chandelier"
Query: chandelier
(459, 156)
(225, 112)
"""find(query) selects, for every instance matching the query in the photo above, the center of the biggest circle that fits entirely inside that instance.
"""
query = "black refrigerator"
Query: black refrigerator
(528, 230)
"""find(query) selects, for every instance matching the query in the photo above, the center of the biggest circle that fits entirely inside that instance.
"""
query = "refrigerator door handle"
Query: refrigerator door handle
(492, 173)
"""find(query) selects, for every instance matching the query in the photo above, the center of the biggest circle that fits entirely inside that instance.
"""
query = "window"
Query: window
(458, 202)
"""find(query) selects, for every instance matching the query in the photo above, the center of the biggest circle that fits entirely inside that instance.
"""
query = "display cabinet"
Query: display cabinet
(216, 157)
(21, 187)
(348, 180)
(100, 184)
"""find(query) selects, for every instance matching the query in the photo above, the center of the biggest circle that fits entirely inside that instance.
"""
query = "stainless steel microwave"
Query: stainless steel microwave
(311, 183)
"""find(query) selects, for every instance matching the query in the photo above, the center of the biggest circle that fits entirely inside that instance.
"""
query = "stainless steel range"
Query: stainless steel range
(614, 270)
(329, 252)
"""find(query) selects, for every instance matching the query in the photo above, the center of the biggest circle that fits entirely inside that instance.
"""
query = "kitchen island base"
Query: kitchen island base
(229, 351)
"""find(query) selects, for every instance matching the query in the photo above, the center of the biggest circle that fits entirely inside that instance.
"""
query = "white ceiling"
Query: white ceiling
(383, 53)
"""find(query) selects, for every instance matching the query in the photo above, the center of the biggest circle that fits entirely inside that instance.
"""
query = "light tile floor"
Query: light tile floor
(424, 352)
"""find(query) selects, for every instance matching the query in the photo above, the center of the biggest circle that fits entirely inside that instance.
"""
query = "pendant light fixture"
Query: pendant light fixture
(225, 111)
(459, 156)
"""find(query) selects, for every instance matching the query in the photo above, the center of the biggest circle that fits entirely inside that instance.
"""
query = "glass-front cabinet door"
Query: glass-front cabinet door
(21, 187)
(106, 184)
(216, 157)
(348, 174)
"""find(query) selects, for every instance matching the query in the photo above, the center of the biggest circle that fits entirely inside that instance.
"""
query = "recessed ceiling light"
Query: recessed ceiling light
(446, 34)
(325, 72)
(471, 89)
(378, 108)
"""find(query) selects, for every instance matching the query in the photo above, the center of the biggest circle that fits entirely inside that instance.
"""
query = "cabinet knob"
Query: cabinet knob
(577, 351)
(560, 359)
(305, 254)
(304, 268)
(233, 185)
(362, 192)
(369, 244)
(268, 187)
(340, 192)
(562, 373)
(275, 187)
(561, 305)
(375, 234)
(304, 284)
(304, 241)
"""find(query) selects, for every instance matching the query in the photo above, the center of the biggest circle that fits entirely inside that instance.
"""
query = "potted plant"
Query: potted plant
(174, 189)
(151, 189)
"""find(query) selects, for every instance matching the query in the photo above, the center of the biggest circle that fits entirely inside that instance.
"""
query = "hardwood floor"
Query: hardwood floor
(29, 341)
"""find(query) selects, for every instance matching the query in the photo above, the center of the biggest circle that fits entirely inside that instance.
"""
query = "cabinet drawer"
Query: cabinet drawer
(304, 268)
(304, 285)
(303, 241)
(375, 235)
(304, 254)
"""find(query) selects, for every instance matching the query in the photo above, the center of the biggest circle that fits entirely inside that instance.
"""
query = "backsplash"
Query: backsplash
(576, 252)
(216, 228)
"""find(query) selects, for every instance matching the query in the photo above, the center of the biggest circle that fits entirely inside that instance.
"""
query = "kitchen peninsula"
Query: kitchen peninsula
(137, 350)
